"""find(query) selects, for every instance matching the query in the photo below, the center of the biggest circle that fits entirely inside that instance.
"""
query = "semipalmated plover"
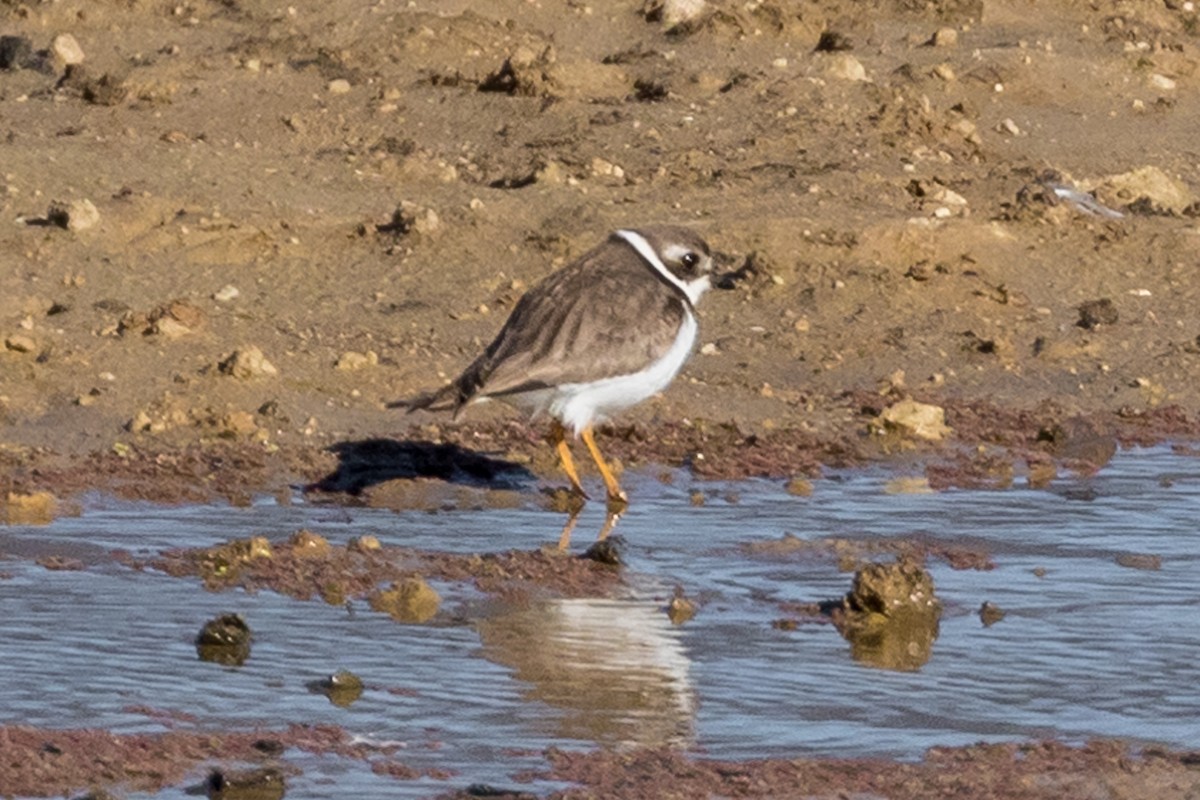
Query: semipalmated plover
(596, 337)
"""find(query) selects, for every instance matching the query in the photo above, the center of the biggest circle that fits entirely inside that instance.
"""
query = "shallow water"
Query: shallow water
(1089, 649)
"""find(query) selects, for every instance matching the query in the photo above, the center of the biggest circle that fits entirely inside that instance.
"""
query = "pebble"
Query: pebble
(1008, 126)
(74, 215)
(677, 12)
(799, 487)
(945, 72)
(37, 508)
(1095, 313)
(846, 67)
(1162, 82)
(248, 362)
(67, 49)
(338, 86)
(412, 218)
(944, 37)
(604, 167)
(919, 420)
(20, 343)
(226, 293)
(990, 614)
(552, 173)
(351, 360)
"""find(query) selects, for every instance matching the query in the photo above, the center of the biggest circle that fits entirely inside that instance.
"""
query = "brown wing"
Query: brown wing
(603, 315)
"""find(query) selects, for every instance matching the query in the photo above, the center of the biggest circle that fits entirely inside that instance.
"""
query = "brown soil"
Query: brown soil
(307, 211)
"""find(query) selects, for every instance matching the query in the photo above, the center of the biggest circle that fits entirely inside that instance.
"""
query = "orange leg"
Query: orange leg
(558, 440)
(616, 498)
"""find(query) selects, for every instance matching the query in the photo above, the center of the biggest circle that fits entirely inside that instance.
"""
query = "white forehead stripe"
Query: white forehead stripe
(638, 242)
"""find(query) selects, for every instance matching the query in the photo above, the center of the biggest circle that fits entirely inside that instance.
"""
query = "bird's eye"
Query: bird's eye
(690, 260)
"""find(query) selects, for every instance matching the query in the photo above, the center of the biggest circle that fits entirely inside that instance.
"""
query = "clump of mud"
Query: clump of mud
(225, 640)
(890, 615)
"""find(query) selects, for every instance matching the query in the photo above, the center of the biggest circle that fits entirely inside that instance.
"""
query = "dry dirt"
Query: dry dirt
(297, 213)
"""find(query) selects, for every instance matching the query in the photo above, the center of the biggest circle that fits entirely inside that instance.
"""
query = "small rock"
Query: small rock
(846, 67)
(364, 544)
(20, 343)
(140, 423)
(36, 508)
(919, 420)
(412, 218)
(75, 215)
(1162, 82)
(945, 72)
(1095, 313)
(908, 484)
(1008, 126)
(236, 425)
(944, 37)
(673, 13)
(606, 168)
(1139, 561)
(67, 49)
(338, 86)
(606, 551)
(680, 609)
(351, 360)
(526, 73)
(224, 640)
(411, 600)
(175, 319)
(799, 487)
(990, 614)
(552, 173)
(246, 363)
(342, 688)
(259, 783)
(226, 293)
(107, 90)
(306, 544)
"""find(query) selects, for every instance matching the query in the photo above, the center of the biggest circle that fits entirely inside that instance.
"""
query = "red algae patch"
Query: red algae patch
(308, 567)
(1032, 771)
(38, 762)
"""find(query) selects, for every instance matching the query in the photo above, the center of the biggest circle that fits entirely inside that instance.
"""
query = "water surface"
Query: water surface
(1088, 648)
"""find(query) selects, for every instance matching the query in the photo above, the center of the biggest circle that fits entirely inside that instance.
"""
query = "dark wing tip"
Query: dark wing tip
(444, 399)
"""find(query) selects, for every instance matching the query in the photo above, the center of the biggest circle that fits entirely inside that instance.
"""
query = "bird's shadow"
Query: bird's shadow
(365, 463)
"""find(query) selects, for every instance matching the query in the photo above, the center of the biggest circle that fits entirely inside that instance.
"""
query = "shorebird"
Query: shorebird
(596, 337)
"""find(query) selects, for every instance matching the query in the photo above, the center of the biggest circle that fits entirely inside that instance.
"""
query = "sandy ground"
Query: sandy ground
(295, 214)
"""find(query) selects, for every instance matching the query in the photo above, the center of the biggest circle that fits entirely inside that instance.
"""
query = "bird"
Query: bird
(596, 337)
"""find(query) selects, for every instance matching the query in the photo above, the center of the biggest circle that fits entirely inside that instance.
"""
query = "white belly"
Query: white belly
(580, 405)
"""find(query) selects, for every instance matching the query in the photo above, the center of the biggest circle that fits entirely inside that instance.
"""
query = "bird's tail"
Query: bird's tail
(447, 398)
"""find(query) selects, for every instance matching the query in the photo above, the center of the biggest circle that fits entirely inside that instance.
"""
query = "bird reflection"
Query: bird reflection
(615, 669)
(611, 518)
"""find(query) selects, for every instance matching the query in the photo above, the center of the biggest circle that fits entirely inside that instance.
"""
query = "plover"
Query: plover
(596, 337)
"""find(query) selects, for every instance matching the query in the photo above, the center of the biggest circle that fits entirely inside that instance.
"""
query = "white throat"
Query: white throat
(693, 289)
